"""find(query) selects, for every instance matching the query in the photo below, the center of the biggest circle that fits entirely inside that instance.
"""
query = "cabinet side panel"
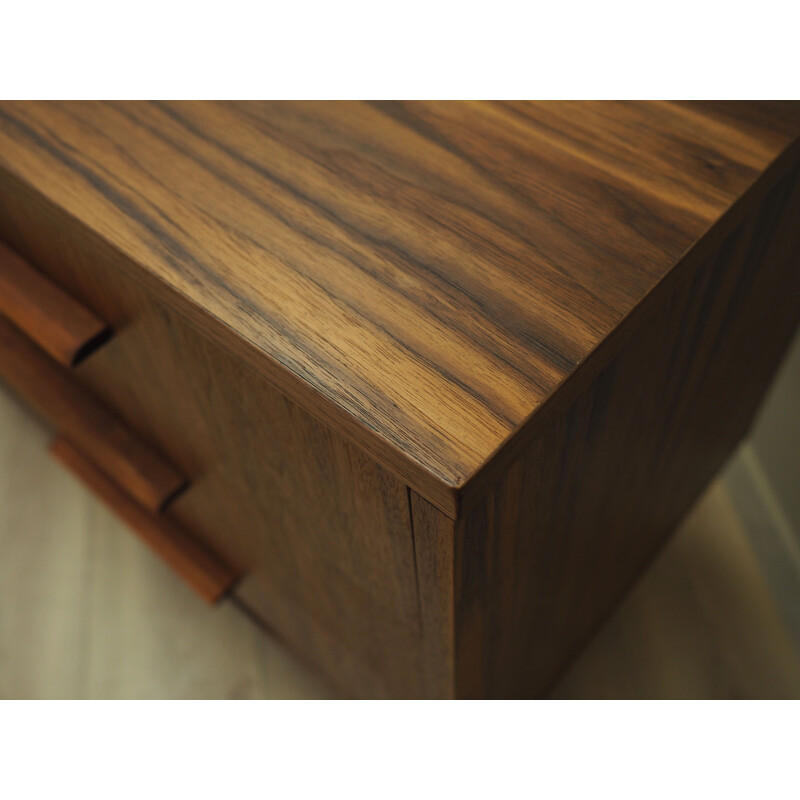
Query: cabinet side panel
(556, 541)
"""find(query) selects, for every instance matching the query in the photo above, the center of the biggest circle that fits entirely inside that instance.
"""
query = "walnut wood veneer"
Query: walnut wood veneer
(442, 376)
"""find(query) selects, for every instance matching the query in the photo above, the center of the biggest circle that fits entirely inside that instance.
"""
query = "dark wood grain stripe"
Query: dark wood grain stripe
(433, 272)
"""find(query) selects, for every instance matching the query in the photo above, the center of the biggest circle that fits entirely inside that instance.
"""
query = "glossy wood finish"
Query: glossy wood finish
(60, 326)
(205, 573)
(321, 533)
(66, 405)
(420, 276)
(416, 357)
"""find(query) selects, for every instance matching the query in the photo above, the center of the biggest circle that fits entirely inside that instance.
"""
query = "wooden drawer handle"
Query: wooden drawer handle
(208, 576)
(50, 317)
(58, 397)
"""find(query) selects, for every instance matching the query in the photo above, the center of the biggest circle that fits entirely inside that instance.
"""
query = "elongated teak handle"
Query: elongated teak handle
(64, 403)
(45, 313)
(204, 572)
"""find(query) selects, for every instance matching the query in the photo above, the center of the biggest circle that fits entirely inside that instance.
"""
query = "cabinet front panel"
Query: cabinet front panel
(322, 533)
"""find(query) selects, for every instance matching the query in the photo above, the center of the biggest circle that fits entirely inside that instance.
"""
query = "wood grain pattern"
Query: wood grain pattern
(552, 547)
(63, 328)
(205, 573)
(59, 399)
(320, 531)
(443, 375)
(420, 276)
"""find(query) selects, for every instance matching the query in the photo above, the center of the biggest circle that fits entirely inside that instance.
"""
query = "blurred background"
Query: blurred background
(86, 611)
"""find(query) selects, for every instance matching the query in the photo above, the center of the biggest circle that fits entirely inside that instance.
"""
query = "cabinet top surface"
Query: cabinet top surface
(434, 270)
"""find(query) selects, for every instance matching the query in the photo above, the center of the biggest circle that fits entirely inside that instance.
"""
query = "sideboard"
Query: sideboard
(422, 385)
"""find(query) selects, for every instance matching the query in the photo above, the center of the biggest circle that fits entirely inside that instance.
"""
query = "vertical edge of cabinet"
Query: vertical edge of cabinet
(552, 544)
(434, 558)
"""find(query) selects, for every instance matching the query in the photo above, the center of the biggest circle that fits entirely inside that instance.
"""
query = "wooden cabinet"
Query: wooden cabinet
(425, 385)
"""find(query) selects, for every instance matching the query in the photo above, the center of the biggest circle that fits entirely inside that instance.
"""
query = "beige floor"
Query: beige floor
(87, 612)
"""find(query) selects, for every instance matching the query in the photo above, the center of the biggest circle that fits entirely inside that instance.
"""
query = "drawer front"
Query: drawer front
(321, 533)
